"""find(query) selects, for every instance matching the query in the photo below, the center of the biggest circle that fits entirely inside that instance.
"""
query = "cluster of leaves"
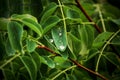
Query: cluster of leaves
(27, 41)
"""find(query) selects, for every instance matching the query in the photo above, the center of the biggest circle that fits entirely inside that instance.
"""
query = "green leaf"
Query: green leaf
(59, 38)
(50, 23)
(10, 51)
(48, 11)
(15, 31)
(37, 59)
(116, 40)
(33, 25)
(48, 61)
(31, 45)
(111, 57)
(90, 33)
(84, 40)
(74, 44)
(72, 14)
(116, 21)
(31, 67)
(8, 74)
(59, 60)
(101, 39)
(23, 16)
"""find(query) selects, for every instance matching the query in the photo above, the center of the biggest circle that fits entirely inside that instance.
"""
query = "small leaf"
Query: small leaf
(31, 45)
(116, 21)
(84, 40)
(48, 11)
(10, 51)
(64, 55)
(50, 23)
(30, 66)
(116, 40)
(59, 38)
(15, 31)
(33, 25)
(48, 61)
(59, 60)
(74, 44)
(23, 16)
(113, 59)
(72, 14)
(101, 39)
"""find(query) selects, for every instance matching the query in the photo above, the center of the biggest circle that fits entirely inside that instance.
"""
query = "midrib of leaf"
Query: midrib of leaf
(101, 17)
(63, 16)
(102, 50)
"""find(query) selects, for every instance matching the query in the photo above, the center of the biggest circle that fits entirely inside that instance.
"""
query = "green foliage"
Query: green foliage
(41, 41)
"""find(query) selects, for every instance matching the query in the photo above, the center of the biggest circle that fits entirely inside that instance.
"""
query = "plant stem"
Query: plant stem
(8, 61)
(87, 16)
(101, 52)
(63, 72)
(75, 62)
(101, 17)
(63, 16)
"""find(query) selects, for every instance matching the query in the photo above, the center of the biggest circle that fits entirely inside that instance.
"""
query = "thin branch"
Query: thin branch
(75, 62)
(87, 16)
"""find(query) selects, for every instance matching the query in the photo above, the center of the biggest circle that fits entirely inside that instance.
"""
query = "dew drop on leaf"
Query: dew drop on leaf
(62, 47)
(51, 40)
(60, 34)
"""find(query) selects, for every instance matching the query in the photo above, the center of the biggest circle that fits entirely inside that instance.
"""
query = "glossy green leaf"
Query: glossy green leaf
(48, 61)
(31, 67)
(15, 31)
(61, 62)
(101, 39)
(48, 11)
(8, 74)
(59, 37)
(31, 45)
(50, 23)
(33, 25)
(10, 51)
(23, 16)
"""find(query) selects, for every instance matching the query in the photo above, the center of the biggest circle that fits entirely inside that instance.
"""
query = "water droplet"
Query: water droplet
(60, 34)
(62, 47)
(51, 40)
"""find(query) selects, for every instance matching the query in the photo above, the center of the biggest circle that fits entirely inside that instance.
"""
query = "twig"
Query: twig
(75, 62)
(87, 16)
